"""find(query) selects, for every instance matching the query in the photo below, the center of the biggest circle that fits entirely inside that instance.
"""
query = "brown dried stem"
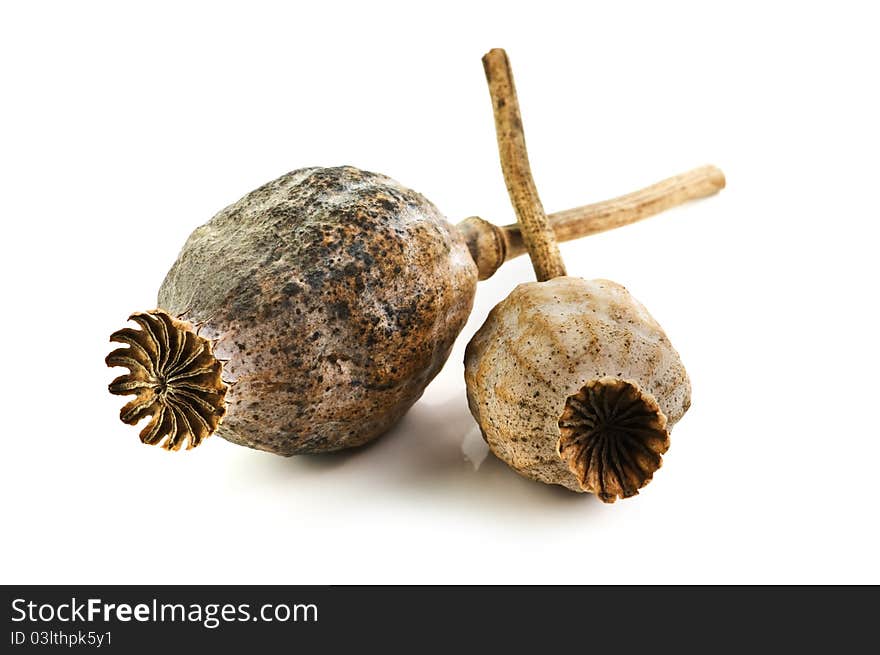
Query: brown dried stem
(491, 245)
(536, 231)
(623, 210)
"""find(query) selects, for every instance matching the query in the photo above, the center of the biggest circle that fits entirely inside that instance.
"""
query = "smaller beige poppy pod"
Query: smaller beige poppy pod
(574, 383)
(571, 381)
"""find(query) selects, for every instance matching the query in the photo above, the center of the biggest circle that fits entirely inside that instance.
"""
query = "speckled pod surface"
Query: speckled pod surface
(574, 383)
(332, 296)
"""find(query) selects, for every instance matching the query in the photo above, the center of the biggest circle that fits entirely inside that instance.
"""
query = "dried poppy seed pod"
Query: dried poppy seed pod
(332, 296)
(571, 381)
(574, 383)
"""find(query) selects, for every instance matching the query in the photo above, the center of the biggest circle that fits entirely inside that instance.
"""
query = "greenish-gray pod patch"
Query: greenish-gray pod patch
(333, 297)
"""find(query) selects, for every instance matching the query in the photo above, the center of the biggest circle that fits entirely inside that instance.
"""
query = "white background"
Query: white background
(124, 128)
